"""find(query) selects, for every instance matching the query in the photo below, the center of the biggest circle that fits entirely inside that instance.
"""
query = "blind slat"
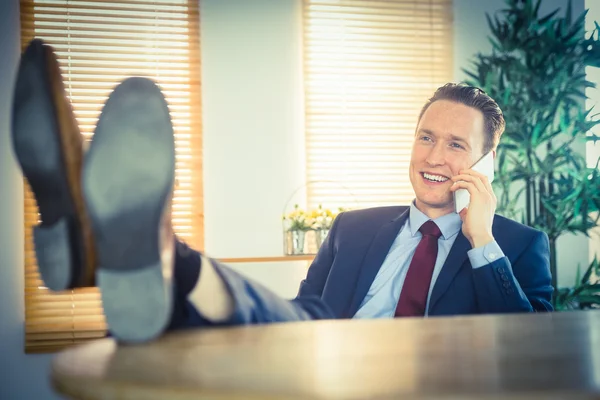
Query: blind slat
(369, 67)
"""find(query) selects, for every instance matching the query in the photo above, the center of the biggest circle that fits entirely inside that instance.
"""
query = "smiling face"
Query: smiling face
(449, 138)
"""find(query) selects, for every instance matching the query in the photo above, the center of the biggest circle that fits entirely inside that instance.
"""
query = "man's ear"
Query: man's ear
(494, 154)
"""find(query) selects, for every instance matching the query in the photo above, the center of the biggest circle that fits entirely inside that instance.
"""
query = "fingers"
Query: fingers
(475, 182)
(480, 181)
(470, 186)
(484, 179)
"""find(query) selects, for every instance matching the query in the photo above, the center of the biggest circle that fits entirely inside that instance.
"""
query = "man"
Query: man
(105, 214)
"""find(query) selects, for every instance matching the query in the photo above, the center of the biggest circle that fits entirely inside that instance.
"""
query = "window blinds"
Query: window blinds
(98, 44)
(369, 66)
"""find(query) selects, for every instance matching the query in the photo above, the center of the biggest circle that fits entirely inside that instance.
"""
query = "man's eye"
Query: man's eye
(425, 138)
(456, 146)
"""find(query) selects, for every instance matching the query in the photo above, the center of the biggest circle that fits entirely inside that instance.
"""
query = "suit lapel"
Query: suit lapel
(454, 261)
(380, 246)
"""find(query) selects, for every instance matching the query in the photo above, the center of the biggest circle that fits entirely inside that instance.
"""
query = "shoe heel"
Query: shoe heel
(127, 184)
(136, 302)
(47, 145)
(54, 253)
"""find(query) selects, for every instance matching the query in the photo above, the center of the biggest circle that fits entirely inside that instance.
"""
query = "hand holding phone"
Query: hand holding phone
(485, 165)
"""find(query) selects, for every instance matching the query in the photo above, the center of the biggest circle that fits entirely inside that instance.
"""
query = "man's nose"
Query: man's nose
(436, 155)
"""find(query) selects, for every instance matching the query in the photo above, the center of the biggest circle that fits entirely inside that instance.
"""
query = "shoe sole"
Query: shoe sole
(128, 180)
(48, 146)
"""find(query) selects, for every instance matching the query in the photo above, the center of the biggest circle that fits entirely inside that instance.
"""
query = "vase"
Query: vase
(296, 240)
(321, 235)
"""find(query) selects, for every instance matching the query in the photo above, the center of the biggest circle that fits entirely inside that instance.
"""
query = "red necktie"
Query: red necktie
(413, 298)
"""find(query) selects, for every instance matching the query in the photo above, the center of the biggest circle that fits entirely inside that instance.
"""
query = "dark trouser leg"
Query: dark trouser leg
(185, 277)
(254, 304)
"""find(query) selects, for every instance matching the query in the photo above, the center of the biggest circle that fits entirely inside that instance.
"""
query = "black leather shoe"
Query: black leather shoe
(128, 178)
(48, 146)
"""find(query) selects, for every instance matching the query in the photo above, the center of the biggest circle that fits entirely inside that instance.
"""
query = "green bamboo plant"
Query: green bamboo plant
(536, 72)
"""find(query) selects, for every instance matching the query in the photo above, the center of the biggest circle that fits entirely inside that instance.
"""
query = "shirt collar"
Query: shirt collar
(449, 224)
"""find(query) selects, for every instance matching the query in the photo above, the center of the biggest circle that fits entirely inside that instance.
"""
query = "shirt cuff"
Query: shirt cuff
(481, 256)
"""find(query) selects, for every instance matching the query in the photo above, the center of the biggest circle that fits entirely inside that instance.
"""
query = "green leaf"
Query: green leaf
(589, 299)
(547, 18)
(536, 9)
(588, 272)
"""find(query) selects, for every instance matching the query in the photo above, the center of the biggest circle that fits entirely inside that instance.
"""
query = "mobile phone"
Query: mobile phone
(485, 165)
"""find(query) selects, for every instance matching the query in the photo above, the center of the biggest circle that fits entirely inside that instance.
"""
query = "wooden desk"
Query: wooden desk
(537, 356)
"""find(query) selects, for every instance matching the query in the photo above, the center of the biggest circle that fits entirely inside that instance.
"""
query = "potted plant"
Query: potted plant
(536, 73)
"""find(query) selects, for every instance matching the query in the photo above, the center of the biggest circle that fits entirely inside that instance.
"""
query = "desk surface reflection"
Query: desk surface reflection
(528, 356)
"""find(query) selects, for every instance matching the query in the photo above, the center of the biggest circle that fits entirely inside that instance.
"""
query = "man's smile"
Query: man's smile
(434, 178)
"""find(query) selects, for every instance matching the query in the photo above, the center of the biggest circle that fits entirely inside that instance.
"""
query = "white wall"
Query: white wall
(21, 376)
(470, 37)
(253, 131)
(252, 120)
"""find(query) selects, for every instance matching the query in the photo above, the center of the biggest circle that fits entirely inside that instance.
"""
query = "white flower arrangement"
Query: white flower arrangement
(316, 220)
